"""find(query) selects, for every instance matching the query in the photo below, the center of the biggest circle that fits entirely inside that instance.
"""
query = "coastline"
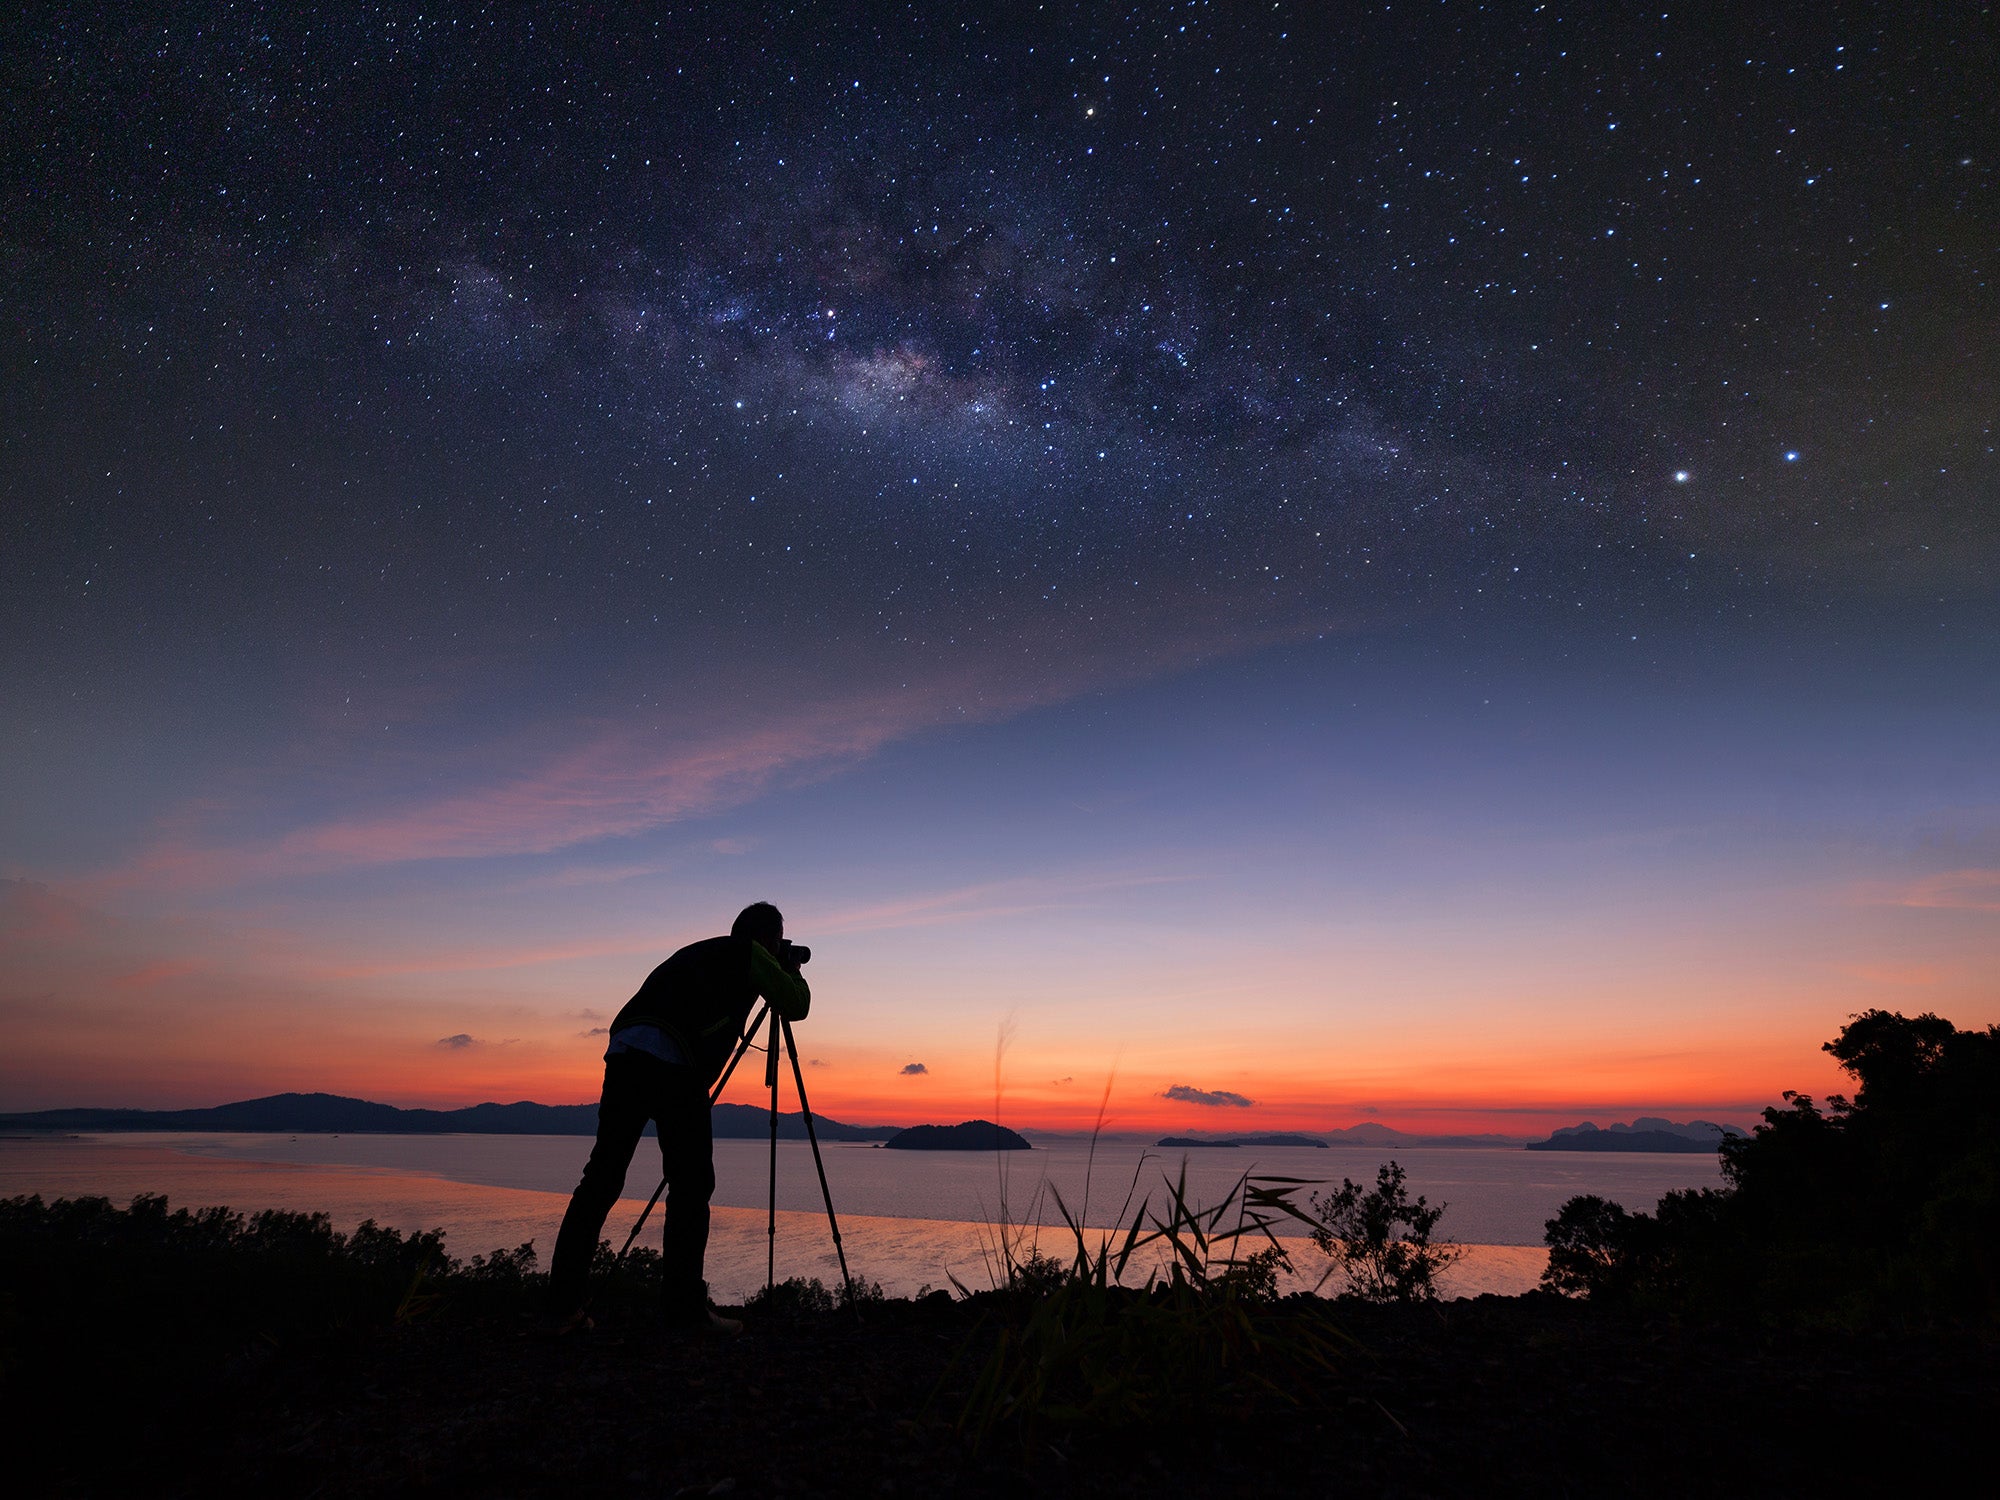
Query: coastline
(905, 1255)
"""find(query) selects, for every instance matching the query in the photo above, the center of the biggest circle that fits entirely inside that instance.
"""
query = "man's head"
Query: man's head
(761, 922)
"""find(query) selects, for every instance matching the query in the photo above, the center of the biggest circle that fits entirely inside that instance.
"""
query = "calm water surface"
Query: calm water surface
(908, 1219)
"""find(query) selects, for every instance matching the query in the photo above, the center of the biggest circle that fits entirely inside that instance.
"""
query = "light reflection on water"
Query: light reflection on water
(908, 1219)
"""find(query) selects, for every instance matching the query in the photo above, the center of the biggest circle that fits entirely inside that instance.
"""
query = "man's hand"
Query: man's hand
(781, 982)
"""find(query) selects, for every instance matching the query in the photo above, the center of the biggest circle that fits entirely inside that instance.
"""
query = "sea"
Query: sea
(908, 1220)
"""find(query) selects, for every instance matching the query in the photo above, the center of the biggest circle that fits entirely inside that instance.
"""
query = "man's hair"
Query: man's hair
(760, 921)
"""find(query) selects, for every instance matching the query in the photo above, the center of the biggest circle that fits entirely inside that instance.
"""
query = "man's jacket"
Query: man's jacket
(701, 998)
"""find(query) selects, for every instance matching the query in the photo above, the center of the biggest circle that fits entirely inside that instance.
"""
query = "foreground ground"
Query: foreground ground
(1494, 1396)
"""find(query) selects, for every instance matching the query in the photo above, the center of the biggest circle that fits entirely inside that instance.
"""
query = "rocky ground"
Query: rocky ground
(1529, 1395)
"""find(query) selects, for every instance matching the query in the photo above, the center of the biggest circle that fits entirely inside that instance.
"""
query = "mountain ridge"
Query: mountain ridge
(320, 1113)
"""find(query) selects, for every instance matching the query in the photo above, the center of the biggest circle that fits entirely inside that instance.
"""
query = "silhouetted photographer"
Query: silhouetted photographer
(668, 1046)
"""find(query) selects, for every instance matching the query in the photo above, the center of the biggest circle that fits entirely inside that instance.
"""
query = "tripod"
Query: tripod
(780, 1042)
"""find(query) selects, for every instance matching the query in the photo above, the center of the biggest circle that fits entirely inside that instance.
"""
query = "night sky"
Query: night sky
(1430, 562)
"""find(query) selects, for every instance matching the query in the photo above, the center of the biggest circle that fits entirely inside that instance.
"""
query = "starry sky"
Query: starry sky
(1277, 565)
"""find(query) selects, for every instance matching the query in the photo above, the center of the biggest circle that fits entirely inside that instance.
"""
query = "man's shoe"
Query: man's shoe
(559, 1325)
(708, 1323)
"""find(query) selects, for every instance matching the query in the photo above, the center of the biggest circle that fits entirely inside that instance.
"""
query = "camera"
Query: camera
(794, 953)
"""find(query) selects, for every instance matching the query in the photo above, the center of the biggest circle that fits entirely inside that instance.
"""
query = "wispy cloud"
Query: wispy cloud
(459, 1042)
(615, 784)
(1214, 1098)
(481, 960)
(999, 898)
(31, 912)
(158, 972)
(1954, 890)
(611, 782)
(575, 876)
(616, 781)
(1901, 975)
(912, 1070)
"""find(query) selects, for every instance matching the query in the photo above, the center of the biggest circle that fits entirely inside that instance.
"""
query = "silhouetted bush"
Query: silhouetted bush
(1886, 1206)
(808, 1296)
(1254, 1277)
(1036, 1274)
(794, 1297)
(171, 1303)
(93, 1295)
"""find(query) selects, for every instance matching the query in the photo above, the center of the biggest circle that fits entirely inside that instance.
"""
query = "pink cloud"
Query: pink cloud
(613, 783)
(157, 972)
(611, 786)
(1896, 974)
(999, 898)
(481, 959)
(1955, 890)
(584, 875)
(32, 913)
(616, 781)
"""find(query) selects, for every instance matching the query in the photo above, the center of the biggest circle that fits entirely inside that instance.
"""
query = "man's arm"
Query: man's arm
(785, 988)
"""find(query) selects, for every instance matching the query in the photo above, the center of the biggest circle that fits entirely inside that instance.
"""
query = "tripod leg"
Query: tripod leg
(771, 1216)
(812, 1135)
(644, 1215)
(749, 1032)
(720, 1084)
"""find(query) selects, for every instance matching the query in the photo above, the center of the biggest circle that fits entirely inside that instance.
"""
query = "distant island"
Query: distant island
(1649, 1133)
(1183, 1141)
(300, 1114)
(968, 1135)
(1370, 1134)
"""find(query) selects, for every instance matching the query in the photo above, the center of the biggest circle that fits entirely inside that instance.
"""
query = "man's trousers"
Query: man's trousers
(639, 1087)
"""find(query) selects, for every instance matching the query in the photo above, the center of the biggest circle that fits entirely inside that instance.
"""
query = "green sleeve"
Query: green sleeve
(787, 992)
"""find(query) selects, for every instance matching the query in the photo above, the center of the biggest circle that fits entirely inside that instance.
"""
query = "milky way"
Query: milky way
(383, 349)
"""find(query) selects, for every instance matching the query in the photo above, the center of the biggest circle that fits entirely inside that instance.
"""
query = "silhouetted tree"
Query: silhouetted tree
(1894, 1057)
(1887, 1205)
(1381, 1241)
(1590, 1248)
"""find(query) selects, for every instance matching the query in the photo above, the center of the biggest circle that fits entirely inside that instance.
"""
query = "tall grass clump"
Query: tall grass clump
(1079, 1350)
